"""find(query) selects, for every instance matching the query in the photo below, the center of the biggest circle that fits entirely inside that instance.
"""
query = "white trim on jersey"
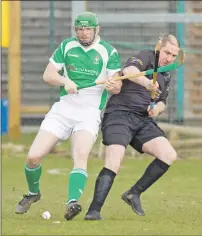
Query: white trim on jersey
(113, 51)
(70, 45)
(59, 66)
(104, 54)
(111, 72)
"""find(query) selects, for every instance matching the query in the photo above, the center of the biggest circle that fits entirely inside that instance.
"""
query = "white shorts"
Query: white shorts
(64, 119)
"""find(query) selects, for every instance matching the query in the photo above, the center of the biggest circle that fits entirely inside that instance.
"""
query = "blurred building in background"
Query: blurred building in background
(44, 25)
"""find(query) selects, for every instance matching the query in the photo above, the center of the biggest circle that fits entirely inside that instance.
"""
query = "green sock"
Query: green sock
(33, 179)
(77, 182)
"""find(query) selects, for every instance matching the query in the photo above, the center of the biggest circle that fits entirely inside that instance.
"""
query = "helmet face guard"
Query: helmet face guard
(86, 20)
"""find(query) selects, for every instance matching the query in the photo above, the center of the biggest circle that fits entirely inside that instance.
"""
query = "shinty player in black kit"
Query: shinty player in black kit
(128, 121)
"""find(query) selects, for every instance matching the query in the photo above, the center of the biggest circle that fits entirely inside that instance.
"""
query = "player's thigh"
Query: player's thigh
(84, 135)
(81, 143)
(161, 148)
(157, 146)
(147, 132)
(53, 128)
(42, 144)
(114, 155)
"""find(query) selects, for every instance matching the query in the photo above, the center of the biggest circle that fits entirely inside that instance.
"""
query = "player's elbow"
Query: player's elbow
(45, 78)
(130, 70)
(49, 73)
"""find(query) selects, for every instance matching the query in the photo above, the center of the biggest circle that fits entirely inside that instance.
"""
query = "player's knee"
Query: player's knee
(33, 160)
(113, 158)
(169, 156)
(173, 156)
(80, 158)
(113, 165)
(80, 155)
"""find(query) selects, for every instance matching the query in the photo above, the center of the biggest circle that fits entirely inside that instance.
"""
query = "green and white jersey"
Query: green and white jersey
(86, 65)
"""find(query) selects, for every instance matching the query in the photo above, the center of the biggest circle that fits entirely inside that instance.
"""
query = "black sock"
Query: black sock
(103, 185)
(154, 171)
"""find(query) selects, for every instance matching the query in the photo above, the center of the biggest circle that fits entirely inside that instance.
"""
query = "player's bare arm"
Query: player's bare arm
(157, 110)
(52, 77)
(142, 80)
(113, 86)
(161, 106)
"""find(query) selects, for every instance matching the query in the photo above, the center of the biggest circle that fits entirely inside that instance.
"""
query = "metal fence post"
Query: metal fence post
(180, 71)
(52, 41)
(77, 7)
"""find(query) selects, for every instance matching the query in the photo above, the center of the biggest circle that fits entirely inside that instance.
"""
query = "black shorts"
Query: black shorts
(125, 128)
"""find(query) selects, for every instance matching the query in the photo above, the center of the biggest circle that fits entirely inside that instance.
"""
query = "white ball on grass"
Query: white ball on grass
(46, 215)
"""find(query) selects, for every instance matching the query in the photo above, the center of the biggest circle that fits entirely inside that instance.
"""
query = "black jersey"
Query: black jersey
(134, 97)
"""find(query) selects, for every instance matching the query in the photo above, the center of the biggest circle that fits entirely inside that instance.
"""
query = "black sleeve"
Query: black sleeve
(142, 61)
(164, 95)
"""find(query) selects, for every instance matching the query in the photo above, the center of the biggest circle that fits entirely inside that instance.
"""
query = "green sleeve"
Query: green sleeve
(58, 57)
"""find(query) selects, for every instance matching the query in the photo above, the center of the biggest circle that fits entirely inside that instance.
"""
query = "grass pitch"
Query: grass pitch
(173, 205)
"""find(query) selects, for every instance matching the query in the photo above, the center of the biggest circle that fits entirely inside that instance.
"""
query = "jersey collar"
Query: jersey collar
(96, 41)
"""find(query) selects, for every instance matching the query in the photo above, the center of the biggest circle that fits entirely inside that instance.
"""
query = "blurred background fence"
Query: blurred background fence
(128, 25)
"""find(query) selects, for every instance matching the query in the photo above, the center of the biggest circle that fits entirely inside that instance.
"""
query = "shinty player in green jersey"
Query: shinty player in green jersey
(82, 59)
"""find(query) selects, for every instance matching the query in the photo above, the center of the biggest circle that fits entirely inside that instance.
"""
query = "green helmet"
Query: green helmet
(86, 19)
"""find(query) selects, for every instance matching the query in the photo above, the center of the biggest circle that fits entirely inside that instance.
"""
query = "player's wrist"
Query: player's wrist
(161, 107)
(66, 81)
(158, 109)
